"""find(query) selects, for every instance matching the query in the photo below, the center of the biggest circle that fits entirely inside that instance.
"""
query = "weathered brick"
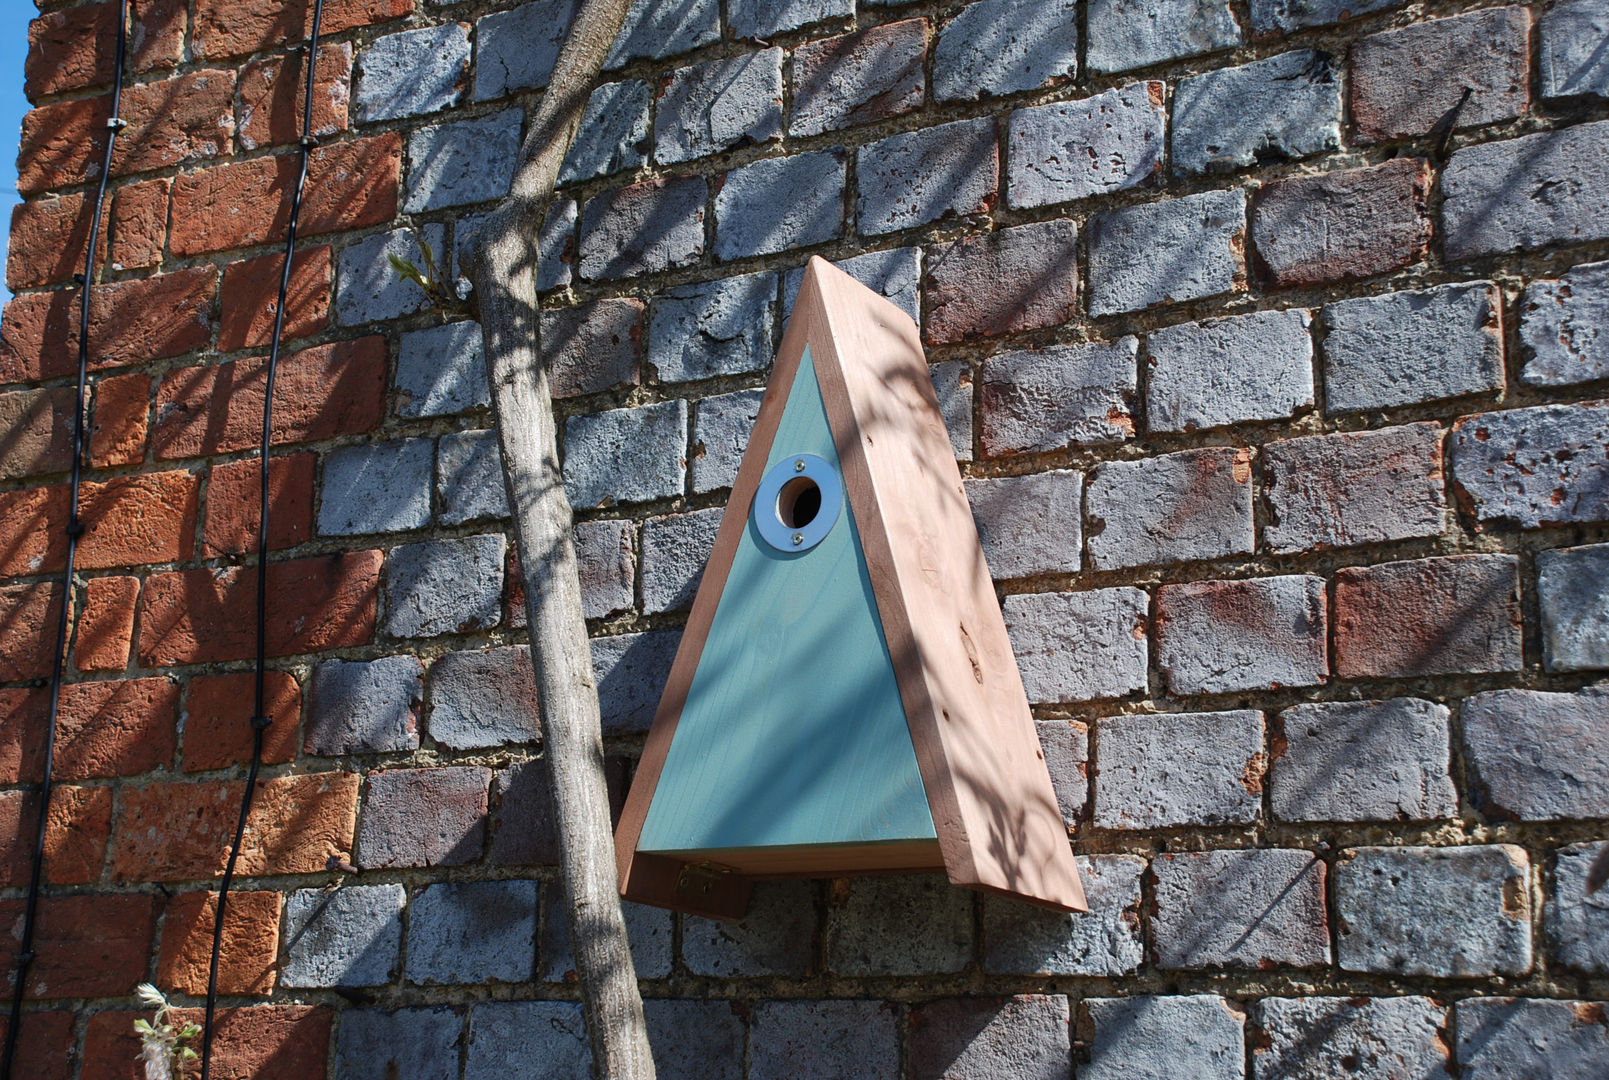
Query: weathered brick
(1572, 54)
(1428, 617)
(441, 371)
(30, 614)
(904, 925)
(858, 78)
(128, 520)
(412, 73)
(119, 425)
(626, 455)
(45, 1041)
(39, 432)
(234, 502)
(424, 817)
(1538, 756)
(316, 603)
(469, 161)
(1573, 591)
(1468, 70)
(1195, 504)
(1065, 746)
(595, 346)
(1270, 17)
(484, 699)
(613, 135)
(1225, 371)
(776, 935)
(217, 720)
(1240, 909)
(76, 48)
(713, 328)
(246, 963)
(952, 382)
(139, 223)
(606, 562)
(103, 729)
(1564, 325)
(1576, 919)
(380, 487)
(1159, 253)
(469, 478)
(250, 298)
(1351, 488)
(1029, 524)
(1153, 1037)
(85, 945)
(1362, 761)
(696, 1038)
(1002, 46)
(1019, 939)
(1512, 1037)
(780, 203)
(1547, 188)
(106, 624)
(1286, 107)
(648, 930)
(1403, 348)
(272, 96)
(516, 49)
(247, 1040)
(675, 548)
(1079, 646)
(917, 177)
(642, 229)
(711, 106)
(1144, 783)
(720, 435)
(47, 242)
(421, 1043)
(350, 936)
(1126, 34)
(523, 831)
(473, 932)
(655, 29)
(760, 19)
(1337, 226)
(1018, 1038)
(1533, 467)
(851, 1040)
(368, 288)
(506, 1036)
(1332, 1038)
(1002, 282)
(76, 833)
(230, 28)
(631, 670)
(1215, 637)
(444, 586)
(1069, 150)
(363, 706)
(1445, 912)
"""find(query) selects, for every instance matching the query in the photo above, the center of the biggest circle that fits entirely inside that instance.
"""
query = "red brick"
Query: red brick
(271, 98)
(76, 48)
(39, 432)
(217, 723)
(111, 1047)
(1428, 617)
(452, 799)
(182, 831)
(128, 521)
(106, 624)
(28, 620)
(349, 185)
(236, 27)
(84, 946)
(119, 728)
(250, 943)
(45, 1046)
(251, 294)
(140, 223)
(22, 734)
(1003, 282)
(75, 839)
(196, 616)
(118, 431)
(1336, 226)
(319, 393)
(48, 238)
(130, 322)
(257, 1042)
(234, 499)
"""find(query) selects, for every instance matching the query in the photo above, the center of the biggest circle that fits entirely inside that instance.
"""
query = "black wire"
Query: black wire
(25, 953)
(259, 714)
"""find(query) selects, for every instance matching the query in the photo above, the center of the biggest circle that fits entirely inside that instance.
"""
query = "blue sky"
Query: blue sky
(14, 17)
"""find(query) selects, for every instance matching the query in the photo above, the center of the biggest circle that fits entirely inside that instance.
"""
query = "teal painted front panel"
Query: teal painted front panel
(793, 731)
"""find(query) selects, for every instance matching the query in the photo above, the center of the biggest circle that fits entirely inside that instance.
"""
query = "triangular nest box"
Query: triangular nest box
(845, 699)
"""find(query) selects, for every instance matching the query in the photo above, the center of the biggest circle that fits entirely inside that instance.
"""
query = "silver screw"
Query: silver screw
(798, 464)
(798, 538)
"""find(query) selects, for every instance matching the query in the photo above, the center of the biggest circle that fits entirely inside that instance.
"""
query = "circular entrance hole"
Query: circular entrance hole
(798, 502)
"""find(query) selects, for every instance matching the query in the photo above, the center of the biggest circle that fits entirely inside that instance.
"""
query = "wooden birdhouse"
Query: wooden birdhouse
(845, 699)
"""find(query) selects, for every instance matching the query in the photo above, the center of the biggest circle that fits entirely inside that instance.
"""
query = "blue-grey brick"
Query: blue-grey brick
(469, 477)
(484, 699)
(626, 455)
(714, 328)
(1039, 400)
(1065, 745)
(1002, 46)
(607, 563)
(1578, 920)
(1029, 524)
(470, 161)
(759, 19)
(1161, 770)
(904, 925)
(555, 246)
(1364, 761)
(1079, 646)
(368, 288)
(720, 435)
(643, 229)
(952, 382)
(1339, 1038)
(1069, 150)
(1406, 347)
(1447, 912)
(854, 79)
(1195, 504)
(1162, 253)
(516, 50)
(1217, 637)
(1156, 1038)
(840, 1040)
(412, 73)
(1564, 324)
(1226, 371)
(593, 346)
(631, 670)
(1248, 909)
(1539, 756)
(780, 203)
(380, 487)
(1025, 1037)
(613, 133)
(508, 1038)
(1534, 467)
(377, 1044)
(776, 936)
(472, 932)
(1285, 107)
(441, 371)
(444, 586)
(434, 816)
(1019, 939)
(1127, 34)
(1270, 17)
(896, 274)
(1575, 49)
(655, 29)
(1572, 585)
(675, 548)
(1510, 1038)
(363, 706)
(351, 936)
(1547, 188)
(916, 177)
(717, 104)
(647, 930)
(696, 1040)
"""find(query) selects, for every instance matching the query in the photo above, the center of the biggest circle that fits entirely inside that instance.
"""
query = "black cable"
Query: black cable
(75, 529)
(259, 715)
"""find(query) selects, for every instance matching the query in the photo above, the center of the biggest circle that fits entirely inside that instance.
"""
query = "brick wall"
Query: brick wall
(1274, 340)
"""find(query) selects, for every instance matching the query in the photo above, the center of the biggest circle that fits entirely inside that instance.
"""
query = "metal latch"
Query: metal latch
(700, 878)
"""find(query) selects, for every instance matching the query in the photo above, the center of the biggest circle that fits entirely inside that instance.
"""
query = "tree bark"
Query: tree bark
(505, 287)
